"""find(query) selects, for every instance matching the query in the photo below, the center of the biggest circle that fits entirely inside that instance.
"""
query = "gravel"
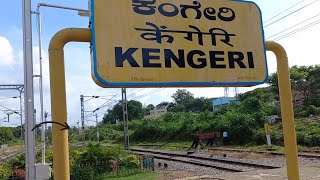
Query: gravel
(179, 170)
(176, 170)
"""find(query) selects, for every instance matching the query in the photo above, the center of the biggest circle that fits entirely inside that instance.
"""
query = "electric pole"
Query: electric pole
(30, 151)
(82, 120)
(97, 127)
(125, 118)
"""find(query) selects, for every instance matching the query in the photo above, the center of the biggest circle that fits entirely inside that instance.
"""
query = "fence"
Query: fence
(103, 170)
(107, 170)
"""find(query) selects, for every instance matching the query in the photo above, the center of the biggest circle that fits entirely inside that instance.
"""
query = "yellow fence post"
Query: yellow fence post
(285, 93)
(58, 97)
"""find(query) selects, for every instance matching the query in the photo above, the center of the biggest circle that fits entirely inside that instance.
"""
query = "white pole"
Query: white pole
(43, 143)
(30, 151)
(268, 140)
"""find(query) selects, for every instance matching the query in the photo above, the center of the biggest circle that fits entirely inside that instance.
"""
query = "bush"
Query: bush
(277, 138)
(259, 137)
(5, 172)
(301, 138)
(82, 172)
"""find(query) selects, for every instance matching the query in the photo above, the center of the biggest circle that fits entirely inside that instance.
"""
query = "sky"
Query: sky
(302, 48)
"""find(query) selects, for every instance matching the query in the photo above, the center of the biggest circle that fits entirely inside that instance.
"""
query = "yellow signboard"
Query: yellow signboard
(138, 43)
(267, 128)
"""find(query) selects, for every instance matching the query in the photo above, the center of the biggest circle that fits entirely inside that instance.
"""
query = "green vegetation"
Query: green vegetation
(139, 176)
(6, 135)
(187, 115)
(89, 163)
(243, 119)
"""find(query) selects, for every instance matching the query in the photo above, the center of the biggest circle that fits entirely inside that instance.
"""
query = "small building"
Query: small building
(155, 113)
(221, 101)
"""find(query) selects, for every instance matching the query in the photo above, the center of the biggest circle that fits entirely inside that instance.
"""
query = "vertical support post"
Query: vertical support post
(21, 115)
(43, 145)
(46, 126)
(82, 121)
(97, 127)
(125, 118)
(60, 143)
(30, 151)
(285, 93)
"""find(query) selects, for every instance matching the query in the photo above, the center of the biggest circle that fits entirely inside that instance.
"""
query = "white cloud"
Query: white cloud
(6, 52)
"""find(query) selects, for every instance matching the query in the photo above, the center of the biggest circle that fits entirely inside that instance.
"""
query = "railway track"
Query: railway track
(7, 156)
(306, 154)
(226, 164)
(300, 154)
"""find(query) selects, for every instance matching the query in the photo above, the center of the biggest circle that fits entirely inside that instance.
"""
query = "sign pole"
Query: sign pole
(285, 93)
(267, 129)
(125, 118)
(60, 144)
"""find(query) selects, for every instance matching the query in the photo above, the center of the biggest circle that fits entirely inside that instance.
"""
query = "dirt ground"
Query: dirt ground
(175, 175)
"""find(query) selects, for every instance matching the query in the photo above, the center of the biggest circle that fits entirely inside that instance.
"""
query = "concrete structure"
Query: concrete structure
(156, 113)
(218, 102)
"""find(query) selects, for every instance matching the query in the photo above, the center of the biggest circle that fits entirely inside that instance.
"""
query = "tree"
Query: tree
(182, 96)
(147, 109)
(6, 135)
(150, 107)
(168, 105)
(199, 104)
(135, 111)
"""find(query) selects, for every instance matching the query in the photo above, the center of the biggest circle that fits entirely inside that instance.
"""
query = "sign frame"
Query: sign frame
(104, 83)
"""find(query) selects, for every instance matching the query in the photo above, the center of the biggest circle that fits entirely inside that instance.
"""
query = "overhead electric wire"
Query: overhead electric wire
(9, 97)
(284, 11)
(298, 30)
(116, 101)
(297, 10)
(108, 103)
(135, 92)
(149, 93)
(294, 25)
(9, 109)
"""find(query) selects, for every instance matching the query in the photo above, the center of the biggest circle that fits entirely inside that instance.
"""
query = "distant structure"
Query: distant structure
(235, 91)
(218, 102)
(155, 113)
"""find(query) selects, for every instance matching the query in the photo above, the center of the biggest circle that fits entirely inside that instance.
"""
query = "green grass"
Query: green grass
(173, 146)
(139, 176)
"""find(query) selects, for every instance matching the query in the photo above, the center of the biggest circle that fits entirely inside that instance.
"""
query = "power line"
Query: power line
(116, 101)
(298, 30)
(110, 103)
(149, 93)
(284, 11)
(136, 92)
(9, 109)
(290, 13)
(294, 25)
(9, 97)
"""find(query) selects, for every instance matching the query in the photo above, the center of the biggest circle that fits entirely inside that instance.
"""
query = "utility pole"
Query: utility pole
(21, 128)
(125, 118)
(97, 127)
(8, 114)
(46, 126)
(30, 151)
(82, 120)
(43, 145)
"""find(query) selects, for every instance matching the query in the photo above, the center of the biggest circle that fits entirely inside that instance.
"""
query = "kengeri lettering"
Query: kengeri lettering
(148, 7)
(197, 59)
(158, 34)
